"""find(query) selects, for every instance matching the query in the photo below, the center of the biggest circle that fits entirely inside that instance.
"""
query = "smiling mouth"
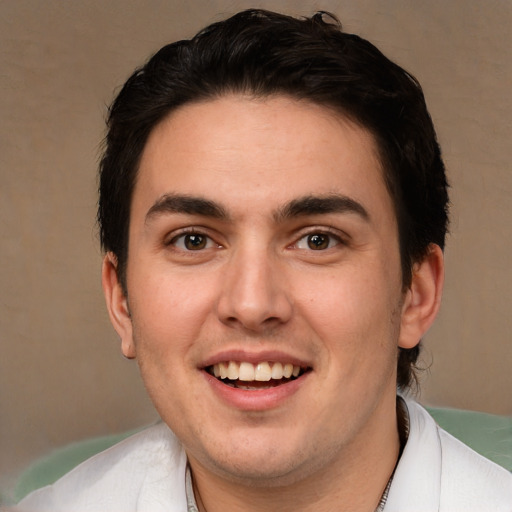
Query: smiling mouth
(248, 376)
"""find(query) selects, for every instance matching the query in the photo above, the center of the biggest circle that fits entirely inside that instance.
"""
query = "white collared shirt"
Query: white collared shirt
(146, 473)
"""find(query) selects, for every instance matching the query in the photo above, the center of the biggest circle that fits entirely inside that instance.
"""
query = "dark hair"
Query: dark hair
(262, 53)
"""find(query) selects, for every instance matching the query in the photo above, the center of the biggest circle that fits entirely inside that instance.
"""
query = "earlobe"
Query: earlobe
(117, 304)
(423, 298)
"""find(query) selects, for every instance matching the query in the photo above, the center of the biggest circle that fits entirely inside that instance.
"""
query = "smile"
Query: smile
(260, 376)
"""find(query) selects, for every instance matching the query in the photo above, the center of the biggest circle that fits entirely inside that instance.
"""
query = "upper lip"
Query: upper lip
(243, 355)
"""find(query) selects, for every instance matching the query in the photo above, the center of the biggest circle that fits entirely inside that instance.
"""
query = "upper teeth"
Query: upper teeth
(248, 372)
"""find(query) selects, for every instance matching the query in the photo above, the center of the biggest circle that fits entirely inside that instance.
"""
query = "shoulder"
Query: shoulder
(438, 472)
(141, 473)
(469, 479)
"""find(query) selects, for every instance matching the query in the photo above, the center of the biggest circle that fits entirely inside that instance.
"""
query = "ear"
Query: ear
(423, 298)
(117, 304)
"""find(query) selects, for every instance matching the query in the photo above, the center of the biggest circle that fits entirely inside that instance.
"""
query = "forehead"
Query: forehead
(269, 150)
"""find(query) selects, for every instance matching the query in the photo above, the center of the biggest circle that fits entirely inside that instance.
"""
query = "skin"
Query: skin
(257, 291)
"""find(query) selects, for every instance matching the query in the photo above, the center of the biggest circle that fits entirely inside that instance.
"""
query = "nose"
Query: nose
(254, 295)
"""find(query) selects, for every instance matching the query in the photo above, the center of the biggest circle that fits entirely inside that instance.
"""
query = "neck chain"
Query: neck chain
(403, 433)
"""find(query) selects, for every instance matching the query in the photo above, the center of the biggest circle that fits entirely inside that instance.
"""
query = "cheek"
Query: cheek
(354, 313)
(171, 304)
(354, 296)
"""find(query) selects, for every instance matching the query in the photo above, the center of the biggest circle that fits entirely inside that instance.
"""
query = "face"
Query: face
(265, 295)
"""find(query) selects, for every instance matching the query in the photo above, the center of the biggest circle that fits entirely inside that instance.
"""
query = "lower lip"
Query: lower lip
(255, 399)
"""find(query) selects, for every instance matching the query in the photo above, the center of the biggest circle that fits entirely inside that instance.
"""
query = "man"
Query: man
(273, 208)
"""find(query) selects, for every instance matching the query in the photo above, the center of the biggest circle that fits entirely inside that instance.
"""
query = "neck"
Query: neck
(353, 481)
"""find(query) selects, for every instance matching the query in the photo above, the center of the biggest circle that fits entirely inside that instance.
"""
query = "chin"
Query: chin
(262, 464)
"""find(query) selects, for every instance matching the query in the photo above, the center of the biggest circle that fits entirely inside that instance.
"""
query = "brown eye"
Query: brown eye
(318, 242)
(194, 242)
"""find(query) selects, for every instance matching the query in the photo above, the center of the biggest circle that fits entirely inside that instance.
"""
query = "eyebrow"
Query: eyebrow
(321, 205)
(191, 205)
(300, 207)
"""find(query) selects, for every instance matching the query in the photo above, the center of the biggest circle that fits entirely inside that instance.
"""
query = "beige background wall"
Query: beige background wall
(61, 374)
